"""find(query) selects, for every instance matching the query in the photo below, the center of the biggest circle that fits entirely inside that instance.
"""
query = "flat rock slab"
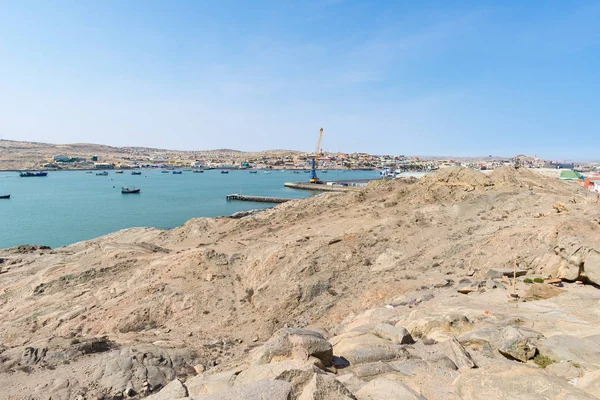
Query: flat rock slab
(590, 383)
(368, 348)
(571, 348)
(387, 389)
(521, 383)
(261, 390)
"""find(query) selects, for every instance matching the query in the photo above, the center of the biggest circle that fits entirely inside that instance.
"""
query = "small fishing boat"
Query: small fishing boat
(164, 171)
(306, 171)
(103, 173)
(136, 172)
(129, 190)
(253, 172)
(29, 174)
(177, 172)
(267, 172)
(296, 172)
(119, 172)
(224, 172)
(89, 172)
(6, 196)
(198, 171)
(324, 171)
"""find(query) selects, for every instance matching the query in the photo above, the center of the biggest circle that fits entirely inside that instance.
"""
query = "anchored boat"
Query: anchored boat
(103, 173)
(129, 190)
(136, 172)
(6, 196)
(29, 174)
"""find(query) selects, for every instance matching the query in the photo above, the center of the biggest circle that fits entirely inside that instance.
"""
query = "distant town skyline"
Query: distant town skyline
(464, 79)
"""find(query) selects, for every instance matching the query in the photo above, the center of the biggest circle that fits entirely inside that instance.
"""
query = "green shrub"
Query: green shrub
(539, 280)
(527, 280)
(543, 361)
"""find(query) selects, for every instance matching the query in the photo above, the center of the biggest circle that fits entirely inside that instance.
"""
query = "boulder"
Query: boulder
(465, 286)
(480, 336)
(592, 266)
(548, 264)
(141, 368)
(261, 390)
(294, 343)
(368, 348)
(387, 389)
(211, 383)
(448, 323)
(457, 353)
(324, 387)
(173, 390)
(541, 291)
(519, 383)
(394, 334)
(570, 269)
(274, 370)
(516, 343)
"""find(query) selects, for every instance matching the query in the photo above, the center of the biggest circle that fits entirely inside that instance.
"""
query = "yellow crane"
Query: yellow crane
(313, 174)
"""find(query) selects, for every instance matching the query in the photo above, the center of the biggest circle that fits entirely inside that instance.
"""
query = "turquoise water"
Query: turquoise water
(69, 206)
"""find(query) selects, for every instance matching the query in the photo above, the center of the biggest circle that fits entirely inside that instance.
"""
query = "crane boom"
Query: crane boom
(319, 142)
(313, 174)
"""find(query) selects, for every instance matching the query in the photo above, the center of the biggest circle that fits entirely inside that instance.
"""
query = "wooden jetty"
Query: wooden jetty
(257, 199)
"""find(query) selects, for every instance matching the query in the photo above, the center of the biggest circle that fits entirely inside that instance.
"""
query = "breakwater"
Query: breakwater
(256, 199)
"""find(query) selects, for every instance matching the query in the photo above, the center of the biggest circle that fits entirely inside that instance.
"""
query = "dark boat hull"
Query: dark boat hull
(134, 191)
(7, 196)
(32, 174)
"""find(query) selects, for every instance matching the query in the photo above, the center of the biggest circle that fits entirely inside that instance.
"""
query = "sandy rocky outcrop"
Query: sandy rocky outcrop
(401, 291)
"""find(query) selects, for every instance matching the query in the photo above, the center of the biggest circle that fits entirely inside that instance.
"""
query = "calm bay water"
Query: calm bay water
(69, 206)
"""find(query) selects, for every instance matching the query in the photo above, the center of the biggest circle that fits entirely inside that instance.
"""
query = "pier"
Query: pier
(324, 187)
(256, 199)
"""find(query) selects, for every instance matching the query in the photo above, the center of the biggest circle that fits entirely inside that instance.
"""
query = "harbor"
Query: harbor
(86, 206)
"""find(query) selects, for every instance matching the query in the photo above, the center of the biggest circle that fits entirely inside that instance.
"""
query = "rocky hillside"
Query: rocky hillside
(400, 288)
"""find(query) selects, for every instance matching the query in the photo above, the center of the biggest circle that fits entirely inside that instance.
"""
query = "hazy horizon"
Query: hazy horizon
(468, 78)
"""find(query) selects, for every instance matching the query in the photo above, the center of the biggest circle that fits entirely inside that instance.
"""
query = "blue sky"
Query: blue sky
(403, 77)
